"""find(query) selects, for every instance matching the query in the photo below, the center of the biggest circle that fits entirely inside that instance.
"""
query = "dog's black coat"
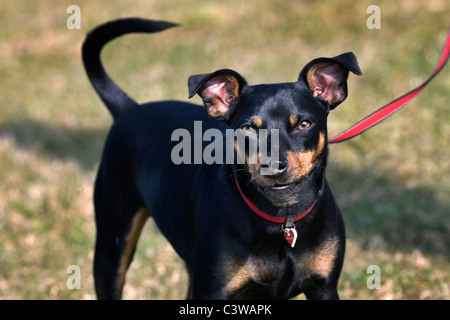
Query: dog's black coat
(229, 251)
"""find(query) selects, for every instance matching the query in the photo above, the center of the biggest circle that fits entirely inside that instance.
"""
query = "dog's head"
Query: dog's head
(286, 121)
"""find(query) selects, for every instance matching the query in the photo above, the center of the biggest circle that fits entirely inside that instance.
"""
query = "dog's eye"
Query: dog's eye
(305, 124)
(248, 129)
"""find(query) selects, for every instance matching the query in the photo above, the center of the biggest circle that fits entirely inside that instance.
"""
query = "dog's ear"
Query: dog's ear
(327, 77)
(219, 91)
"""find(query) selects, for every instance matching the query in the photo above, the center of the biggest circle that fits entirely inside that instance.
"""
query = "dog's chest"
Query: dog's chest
(276, 276)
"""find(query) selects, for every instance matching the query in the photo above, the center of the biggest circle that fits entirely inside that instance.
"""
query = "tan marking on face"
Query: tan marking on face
(293, 119)
(257, 121)
(301, 163)
(253, 161)
(130, 245)
(322, 259)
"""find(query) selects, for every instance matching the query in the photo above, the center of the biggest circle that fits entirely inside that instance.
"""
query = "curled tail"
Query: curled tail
(115, 99)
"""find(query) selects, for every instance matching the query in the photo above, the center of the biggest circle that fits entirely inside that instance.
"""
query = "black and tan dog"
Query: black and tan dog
(242, 233)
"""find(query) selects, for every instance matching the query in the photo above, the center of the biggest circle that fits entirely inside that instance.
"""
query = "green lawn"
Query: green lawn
(392, 183)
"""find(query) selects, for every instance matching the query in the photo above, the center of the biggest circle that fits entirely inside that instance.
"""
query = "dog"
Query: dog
(242, 233)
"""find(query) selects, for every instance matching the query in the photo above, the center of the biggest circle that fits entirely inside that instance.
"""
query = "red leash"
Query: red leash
(389, 109)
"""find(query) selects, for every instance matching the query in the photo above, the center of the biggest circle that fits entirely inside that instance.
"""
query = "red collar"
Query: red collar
(267, 216)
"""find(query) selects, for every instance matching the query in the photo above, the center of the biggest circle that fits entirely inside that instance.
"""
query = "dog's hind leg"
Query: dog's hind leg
(120, 220)
(130, 245)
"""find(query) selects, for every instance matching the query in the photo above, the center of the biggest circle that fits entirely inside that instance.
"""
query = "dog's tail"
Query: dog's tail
(112, 95)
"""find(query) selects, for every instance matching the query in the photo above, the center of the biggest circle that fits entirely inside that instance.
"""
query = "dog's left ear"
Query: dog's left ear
(327, 77)
(219, 91)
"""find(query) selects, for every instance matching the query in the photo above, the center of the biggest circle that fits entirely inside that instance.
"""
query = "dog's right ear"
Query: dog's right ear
(219, 91)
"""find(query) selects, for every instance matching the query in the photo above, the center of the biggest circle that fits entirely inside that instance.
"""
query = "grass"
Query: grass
(392, 183)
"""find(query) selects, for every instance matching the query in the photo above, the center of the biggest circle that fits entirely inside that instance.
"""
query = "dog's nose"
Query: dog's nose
(274, 168)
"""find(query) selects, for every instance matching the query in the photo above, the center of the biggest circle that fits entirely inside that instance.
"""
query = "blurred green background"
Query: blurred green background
(392, 183)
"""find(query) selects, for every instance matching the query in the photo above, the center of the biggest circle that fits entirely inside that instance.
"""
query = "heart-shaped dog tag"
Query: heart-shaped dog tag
(291, 236)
